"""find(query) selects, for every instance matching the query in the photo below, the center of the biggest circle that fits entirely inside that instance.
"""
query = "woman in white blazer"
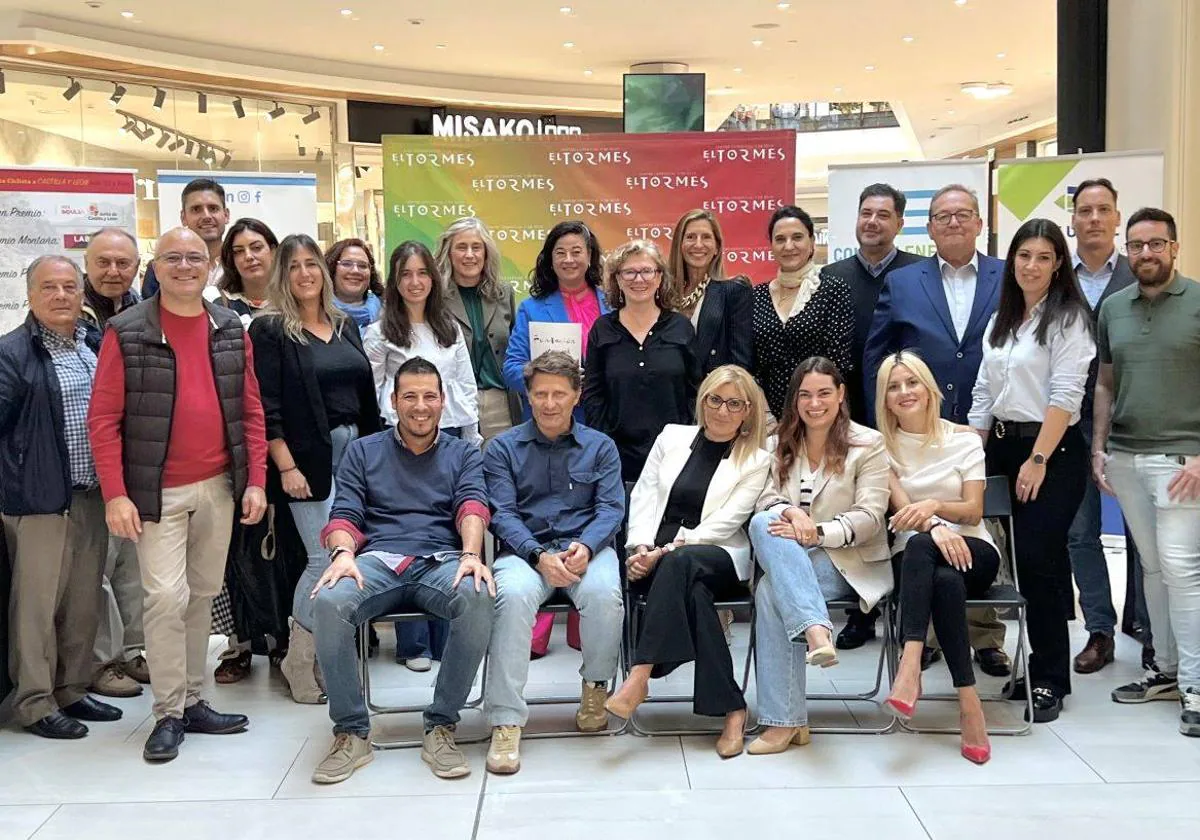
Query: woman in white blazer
(687, 546)
(819, 536)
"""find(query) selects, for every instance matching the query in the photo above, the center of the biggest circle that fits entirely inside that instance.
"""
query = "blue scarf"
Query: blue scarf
(365, 313)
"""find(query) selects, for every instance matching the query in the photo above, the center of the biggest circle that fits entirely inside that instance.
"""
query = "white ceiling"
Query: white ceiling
(512, 51)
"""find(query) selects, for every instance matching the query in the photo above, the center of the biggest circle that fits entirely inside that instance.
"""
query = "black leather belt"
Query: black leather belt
(1012, 428)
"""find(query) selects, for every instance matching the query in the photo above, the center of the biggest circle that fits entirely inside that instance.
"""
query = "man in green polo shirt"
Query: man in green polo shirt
(1146, 450)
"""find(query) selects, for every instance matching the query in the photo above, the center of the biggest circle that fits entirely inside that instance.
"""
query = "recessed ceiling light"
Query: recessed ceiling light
(950, 113)
(568, 44)
(908, 39)
(587, 72)
(986, 90)
(566, 10)
(440, 46)
(1001, 55)
(346, 12)
(765, 26)
(757, 42)
(378, 47)
(783, 7)
(737, 69)
(837, 89)
(869, 67)
(960, 2)
(126, 14)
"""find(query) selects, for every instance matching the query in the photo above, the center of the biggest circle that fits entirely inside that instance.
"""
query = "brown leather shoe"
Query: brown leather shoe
(1097, 653)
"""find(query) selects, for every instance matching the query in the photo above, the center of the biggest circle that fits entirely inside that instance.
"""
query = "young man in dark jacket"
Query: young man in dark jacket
(50, 498)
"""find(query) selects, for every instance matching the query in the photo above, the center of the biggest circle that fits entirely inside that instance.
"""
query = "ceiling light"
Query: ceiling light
(986, 90)
(908, 39)
(320, 155)
(566, 10)
(783, 7)
(440, 46)
(311, 117)
(737, 69)
(118, 92)
(568, 44)
(1001, 55)
(144, 133)
(239, 108)
(276, 112)
(162, 141)
(190, 145)
(960, 2)
(587, 72)
(72, 90)
(177, 144)
(202, 103)
(300, 150)
(837, 89)
(869, 67)
(378, 48)
(125, 128)
(757, 42)
(127, 14)
(228, 158)
(160, 96)
(346, 12)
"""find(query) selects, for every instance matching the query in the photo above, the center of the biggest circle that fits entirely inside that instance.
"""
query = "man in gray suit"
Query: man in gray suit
(1101, 271)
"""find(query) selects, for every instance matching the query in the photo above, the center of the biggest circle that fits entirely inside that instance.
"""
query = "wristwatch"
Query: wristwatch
(1039, 459)
(535, 555)
(336, 550)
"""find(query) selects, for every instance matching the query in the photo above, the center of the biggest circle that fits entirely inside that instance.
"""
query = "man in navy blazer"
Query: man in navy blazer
(940, 307)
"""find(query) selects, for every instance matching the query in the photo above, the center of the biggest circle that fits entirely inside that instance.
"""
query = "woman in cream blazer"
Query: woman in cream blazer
(819, 536)
(687, 546)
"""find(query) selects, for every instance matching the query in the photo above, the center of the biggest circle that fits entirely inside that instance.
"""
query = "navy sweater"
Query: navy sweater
(403, 503)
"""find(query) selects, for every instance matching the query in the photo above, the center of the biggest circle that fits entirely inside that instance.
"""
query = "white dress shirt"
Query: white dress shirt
(460, 409)
(1021, 379)
(959, 286)
(1094, 284)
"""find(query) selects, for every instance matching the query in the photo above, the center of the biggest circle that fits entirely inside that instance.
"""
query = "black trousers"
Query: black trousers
(1043, 564)
(932, 588)
(680, 624)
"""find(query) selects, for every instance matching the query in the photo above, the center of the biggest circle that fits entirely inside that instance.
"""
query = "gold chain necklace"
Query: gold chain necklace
(693, 298)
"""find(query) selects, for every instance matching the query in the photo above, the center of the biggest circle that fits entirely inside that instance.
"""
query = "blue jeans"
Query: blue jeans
(311, 518)
(520, 590)
(415, 639)
(790, 598)
(426, 585)
(1088, 562)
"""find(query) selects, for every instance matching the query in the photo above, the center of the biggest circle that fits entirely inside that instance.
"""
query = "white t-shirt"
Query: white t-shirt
(937, 471)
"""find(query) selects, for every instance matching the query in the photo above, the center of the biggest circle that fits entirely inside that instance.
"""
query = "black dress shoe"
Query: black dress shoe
(929, 656)
(163, 743)
(1015, 689)
(994, 662)
(200, 717)
(1046, 705)
(859, 629)
(89, 708)
(58, 726)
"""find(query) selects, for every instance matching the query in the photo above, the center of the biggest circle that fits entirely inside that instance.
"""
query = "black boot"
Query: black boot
(859, 629)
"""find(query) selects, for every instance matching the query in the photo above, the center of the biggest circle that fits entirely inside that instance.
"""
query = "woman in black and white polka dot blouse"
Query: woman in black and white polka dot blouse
(801, 313)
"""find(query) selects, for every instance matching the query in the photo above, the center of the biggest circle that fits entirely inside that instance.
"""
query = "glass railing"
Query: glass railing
(810, 116)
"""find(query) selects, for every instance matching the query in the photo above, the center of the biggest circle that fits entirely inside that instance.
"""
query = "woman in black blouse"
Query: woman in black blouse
(318, 395)
(799, 314)
(641, 372)
(720, 310)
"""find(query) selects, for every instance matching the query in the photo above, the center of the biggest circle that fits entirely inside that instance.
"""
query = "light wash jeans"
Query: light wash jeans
(1167, 534)
(520, 591)
(790, 598)
(426, 585)
(311, 518)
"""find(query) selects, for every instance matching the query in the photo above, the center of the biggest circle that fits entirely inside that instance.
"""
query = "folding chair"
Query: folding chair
(887, 658)
(997, 504)
(364, 673)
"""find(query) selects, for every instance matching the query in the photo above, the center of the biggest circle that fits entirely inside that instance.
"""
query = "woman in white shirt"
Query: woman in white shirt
(1025, 405)
(417, 322)
(943, 553)
(819, 537)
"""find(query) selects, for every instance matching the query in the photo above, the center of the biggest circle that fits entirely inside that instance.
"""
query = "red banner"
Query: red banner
(66, 181)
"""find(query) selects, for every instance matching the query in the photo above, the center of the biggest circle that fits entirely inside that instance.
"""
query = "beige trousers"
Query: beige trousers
(119, 636)
(494, 416)
(182, 560)
(58, 563)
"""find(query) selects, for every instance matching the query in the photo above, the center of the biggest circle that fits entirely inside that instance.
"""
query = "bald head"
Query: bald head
(181, 265)
(175, 239)
(111, 262)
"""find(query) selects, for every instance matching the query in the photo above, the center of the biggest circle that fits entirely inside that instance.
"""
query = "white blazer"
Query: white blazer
(728, 504)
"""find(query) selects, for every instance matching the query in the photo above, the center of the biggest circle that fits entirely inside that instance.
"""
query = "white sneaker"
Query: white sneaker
(420, 664)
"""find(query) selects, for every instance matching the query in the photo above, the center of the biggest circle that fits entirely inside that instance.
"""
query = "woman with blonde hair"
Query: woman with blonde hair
(317, 395)
(641, 372)
(687, 546)
(721, 310)
(942, 554)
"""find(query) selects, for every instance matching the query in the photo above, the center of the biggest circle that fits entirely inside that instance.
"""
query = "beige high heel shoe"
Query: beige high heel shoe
(801, 737)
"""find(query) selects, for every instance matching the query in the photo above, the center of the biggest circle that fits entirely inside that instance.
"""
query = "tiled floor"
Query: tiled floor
(1106, 770)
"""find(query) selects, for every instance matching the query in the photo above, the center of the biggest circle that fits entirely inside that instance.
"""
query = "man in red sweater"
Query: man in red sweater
(178, 436)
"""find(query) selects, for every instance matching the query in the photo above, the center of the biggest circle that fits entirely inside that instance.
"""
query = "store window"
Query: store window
(53, 120)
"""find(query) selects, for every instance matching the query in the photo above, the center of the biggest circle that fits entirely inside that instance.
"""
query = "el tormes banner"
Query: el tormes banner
(622, 186)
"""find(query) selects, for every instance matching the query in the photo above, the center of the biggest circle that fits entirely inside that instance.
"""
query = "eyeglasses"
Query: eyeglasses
(1156, 246)
(962, 217)
(734, 404)
(176, 260)
(354, 265)
(629, 274)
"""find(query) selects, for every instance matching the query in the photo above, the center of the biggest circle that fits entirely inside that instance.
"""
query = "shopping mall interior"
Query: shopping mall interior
(312, 88)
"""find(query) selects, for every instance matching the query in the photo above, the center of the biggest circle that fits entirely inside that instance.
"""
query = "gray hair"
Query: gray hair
(49, 259)
(949, 188)
(553, 363)
(116, 231)
(489, 282)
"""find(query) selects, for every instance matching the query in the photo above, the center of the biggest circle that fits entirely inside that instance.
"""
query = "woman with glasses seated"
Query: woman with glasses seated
(819, 537)
(641, 372)
(942, 554)
(687, 547)
(357, 287)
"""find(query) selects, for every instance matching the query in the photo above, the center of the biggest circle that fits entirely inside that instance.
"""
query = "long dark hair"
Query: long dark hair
(543, 280)
(394, 323)
(1064, 301)
(792, 431)
(231, 280)
(335, 253)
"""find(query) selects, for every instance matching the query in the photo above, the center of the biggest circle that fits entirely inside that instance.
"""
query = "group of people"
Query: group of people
(285, 431)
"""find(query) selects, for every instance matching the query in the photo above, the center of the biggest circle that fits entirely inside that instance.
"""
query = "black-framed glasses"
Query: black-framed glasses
(961, 216)
(630, 274)
(736, 405)
(1156, 246)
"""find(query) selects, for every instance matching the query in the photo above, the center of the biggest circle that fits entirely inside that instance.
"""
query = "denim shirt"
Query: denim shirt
(549, 493)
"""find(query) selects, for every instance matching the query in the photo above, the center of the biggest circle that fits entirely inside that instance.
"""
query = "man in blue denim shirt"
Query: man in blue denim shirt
(555, 487)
